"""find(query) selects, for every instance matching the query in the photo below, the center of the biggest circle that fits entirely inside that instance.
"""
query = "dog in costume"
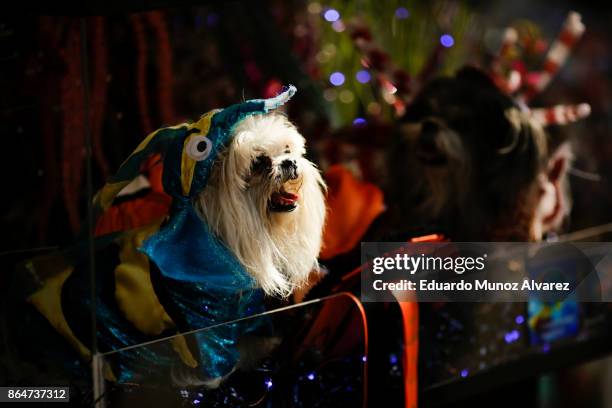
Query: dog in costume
(245, 221)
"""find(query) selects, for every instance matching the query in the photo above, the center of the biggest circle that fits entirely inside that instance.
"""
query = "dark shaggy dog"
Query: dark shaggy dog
(467, 161)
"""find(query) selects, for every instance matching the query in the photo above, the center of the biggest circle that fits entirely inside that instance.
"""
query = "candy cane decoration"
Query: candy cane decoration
(511, 82)
(557, 55)
(561, 114)
(559, 52)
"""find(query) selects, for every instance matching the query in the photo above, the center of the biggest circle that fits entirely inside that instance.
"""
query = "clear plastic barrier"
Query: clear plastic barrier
(310, 354)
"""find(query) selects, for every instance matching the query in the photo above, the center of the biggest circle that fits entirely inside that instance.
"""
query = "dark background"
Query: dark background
(149, 64)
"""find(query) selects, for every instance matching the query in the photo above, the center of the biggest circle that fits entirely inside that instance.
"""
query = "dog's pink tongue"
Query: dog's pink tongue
(289, 196)
(284, 198)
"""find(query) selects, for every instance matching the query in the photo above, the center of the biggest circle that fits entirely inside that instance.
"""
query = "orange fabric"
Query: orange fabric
(352, 206)
(153, 168)
(134, 213)
(140, 211)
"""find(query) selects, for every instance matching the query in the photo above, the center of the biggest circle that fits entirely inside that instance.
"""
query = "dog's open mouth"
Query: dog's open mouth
(283, 201)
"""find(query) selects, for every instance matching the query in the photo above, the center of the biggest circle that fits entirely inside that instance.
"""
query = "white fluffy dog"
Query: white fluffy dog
(265, 201)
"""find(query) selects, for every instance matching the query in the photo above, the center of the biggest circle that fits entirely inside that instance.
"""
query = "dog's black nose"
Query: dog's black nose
(288, 164)
(289, 168)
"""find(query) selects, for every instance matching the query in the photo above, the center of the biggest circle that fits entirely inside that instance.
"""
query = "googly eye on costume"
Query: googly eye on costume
(199, 148)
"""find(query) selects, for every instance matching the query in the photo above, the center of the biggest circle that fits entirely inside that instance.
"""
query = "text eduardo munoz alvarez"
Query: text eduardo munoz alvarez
(459, 265)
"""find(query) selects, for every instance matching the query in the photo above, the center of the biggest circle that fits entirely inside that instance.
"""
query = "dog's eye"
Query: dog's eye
(199, 147)
(261, 164)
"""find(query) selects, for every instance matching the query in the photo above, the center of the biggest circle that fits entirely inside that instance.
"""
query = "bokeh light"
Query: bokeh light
(329, 49)
(447, 40)
(363, 76)
(314, 8)
(359, 122)
(402, 13)
(322, 57)
(331, 15)
(336, 78)
(374, 108)
(338, 26)
(330, 95)
(512, 336)
(346, 96)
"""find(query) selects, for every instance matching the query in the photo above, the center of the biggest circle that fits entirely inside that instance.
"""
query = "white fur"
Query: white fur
(278, 249)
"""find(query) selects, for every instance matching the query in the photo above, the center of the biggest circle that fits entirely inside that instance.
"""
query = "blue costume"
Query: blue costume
(169, 277)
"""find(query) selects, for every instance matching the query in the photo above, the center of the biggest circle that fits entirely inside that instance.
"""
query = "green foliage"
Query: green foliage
(409, 42)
